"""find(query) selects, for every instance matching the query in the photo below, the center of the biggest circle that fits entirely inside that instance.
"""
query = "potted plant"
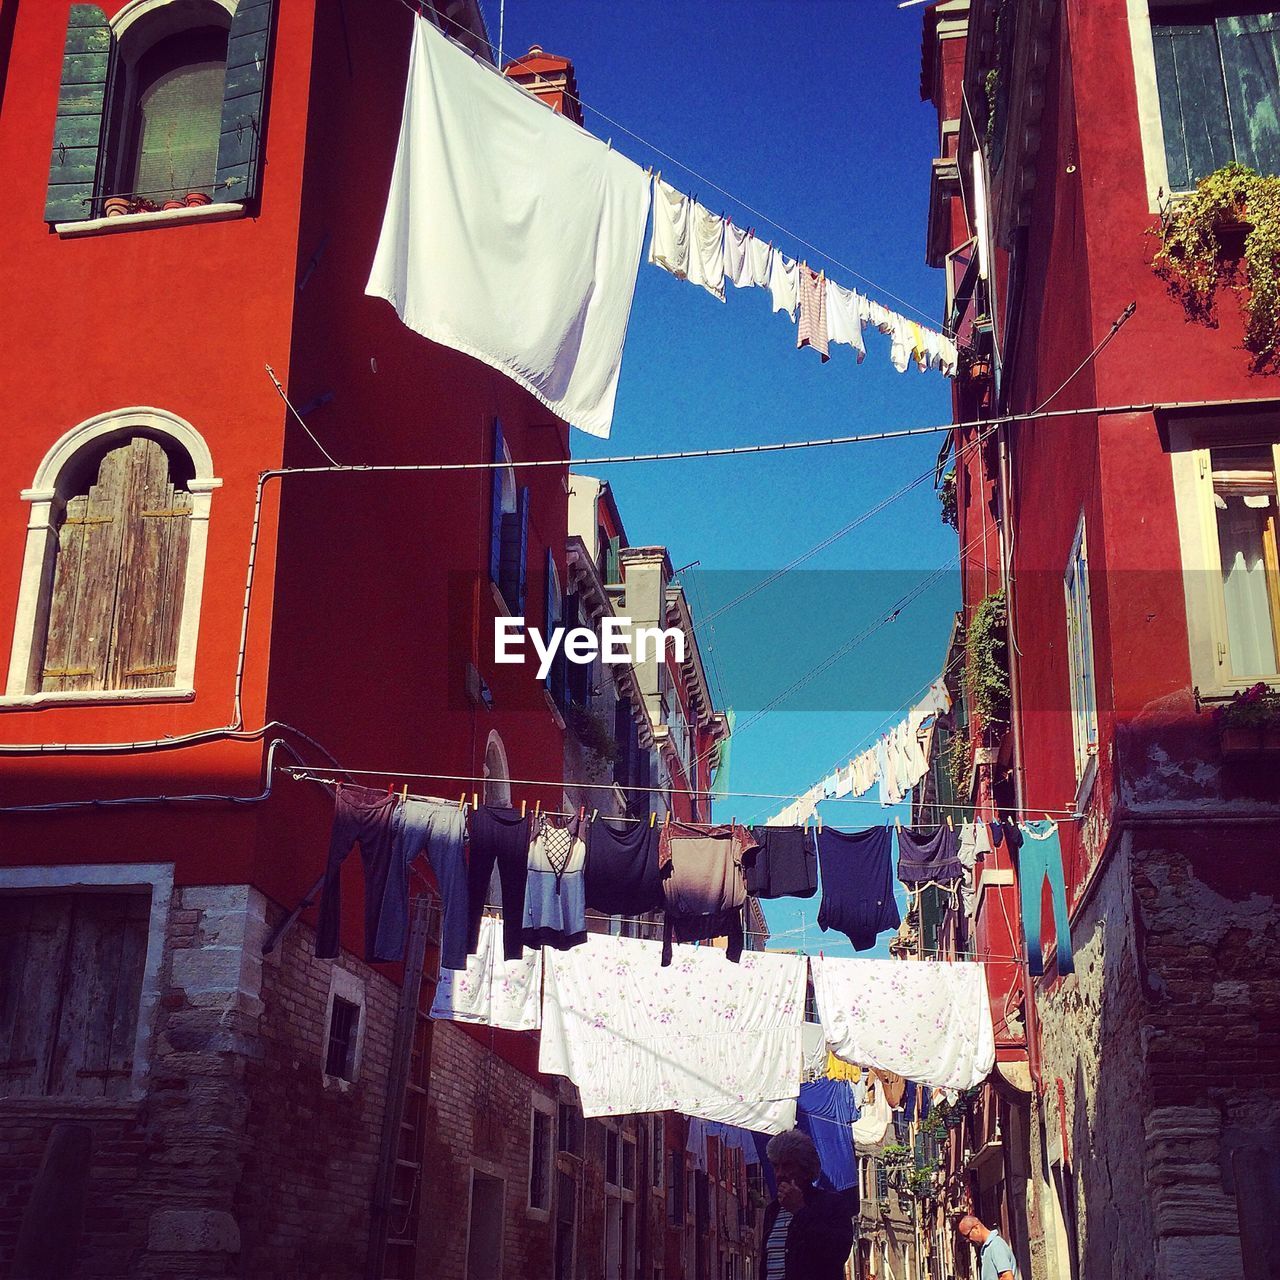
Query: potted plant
(116, 206)
(197, 198)
(1250, 723)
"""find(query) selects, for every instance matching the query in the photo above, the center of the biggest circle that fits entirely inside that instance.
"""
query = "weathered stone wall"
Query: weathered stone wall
(238, 1160)
(1168, 1038)
(1090, 1036)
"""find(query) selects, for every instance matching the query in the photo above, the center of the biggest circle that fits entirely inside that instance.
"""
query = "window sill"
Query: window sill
(157, 218)
(93, 698)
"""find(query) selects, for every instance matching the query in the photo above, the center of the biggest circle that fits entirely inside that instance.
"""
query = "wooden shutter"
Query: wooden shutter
(623, 732)
(495, 508)
(554, 615)
(243, 103)
(515, 546)
(86, 576)
(152, 574)
(70, 983)
(118, 585)
(612, 564)
(77, 133)
(1193, 103)
(1250, 48)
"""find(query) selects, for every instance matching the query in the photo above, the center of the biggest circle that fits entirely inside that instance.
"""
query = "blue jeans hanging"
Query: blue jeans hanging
(1041, 858)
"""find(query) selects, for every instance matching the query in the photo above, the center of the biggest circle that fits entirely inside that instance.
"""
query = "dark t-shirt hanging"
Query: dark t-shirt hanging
(857, 884)
(785, 865)
(623, 877)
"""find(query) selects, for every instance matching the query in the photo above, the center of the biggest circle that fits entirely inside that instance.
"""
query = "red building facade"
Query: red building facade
(1133, 542)
(195, 194)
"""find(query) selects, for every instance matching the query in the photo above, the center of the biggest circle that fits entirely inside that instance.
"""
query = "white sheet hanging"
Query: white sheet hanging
(510, 233)
(703, 1036)
(491, 990)
(929, 1021)
(873, 1121)
(784, 283)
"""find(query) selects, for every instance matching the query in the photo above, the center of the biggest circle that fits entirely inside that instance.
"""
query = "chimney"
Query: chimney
(550, 77)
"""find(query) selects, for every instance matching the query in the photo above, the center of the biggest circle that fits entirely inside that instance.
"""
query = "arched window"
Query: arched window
(110, 593)
(171, 121)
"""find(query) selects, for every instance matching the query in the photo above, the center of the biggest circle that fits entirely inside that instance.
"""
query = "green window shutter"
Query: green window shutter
(77, 133)
(1193, 102)
(612, 564)
(1250, 47)
(243, 103)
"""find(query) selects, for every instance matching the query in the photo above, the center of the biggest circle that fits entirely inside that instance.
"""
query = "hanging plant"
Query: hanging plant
(958, 762)
(947, 498)
(987, 665)
(920, 1181)
(593, 731)
(1199, 237)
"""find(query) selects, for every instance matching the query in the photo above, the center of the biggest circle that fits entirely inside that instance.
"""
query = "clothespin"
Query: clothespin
(897, 822)
(391, 786)
(950, 824)
(666, 821)
(652, 817)
(475, 800)
(537, 808)
(523, 805)
(462, 800)
(582, 812)
(404, 794)
(595, 813)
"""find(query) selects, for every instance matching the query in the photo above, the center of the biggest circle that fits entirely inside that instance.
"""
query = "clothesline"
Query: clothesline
(564, 90)
(319, 773)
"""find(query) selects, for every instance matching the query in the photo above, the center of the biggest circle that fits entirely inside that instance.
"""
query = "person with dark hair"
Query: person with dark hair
(807, 1233)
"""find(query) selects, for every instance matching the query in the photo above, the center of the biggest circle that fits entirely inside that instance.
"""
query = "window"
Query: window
(629, 1162)
(612, 1144)
(540, 1159)
(1218, 77)
(109, 599)
(1225, 487)
(71, 972)
(171, 122)
(344, 1026)
(119, 571)
(1244, 500)
(657, 1145)
(344, 1022)
(1084, 696)
(569, 1130)
(163, 103)
(675, 1188)
(508, 530)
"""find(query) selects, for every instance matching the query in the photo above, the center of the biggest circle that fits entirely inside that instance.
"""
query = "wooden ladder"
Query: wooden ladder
(393, 1227)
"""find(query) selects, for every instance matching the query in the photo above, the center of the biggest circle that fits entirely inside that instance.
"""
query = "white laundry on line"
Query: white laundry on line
(510, 233)
(702, 1036)
(492, 990)
(928, 1021)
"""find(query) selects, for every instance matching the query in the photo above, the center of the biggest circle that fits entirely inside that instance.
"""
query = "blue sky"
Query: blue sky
(808, 110)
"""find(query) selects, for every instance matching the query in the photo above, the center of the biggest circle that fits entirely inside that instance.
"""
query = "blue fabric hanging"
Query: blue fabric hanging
(825, 1111)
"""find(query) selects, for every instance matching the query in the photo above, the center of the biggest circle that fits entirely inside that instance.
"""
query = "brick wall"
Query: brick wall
(238, 1159)
(312, 1141)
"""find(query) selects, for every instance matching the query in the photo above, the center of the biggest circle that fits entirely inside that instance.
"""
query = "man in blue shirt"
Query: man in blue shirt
(998, 1262)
